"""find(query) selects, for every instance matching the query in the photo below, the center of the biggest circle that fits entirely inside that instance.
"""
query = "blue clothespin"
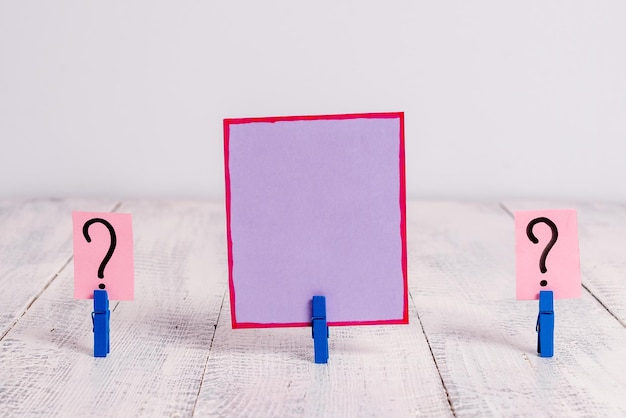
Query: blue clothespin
(545, 324)
(100, 317)
(320, 330)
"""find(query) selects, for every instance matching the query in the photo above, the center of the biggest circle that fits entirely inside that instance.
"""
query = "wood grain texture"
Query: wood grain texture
(372, 371)
(36, 244)
(469, 350)
(602, 235)
(159, 342)
(484, 341)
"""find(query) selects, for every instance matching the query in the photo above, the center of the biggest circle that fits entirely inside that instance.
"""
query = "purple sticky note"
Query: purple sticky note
(316, 207)
(546, 244)
(103, 255)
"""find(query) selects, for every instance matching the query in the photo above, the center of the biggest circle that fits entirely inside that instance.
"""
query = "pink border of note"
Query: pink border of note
(402, 205)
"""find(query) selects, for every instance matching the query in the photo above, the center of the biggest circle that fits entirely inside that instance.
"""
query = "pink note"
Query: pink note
(542, 266)
(103, 255)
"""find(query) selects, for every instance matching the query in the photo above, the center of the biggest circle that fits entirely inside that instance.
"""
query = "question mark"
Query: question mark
(112, 245)
(533, 238)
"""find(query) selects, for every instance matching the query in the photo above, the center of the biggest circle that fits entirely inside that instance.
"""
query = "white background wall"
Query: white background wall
(126, 98)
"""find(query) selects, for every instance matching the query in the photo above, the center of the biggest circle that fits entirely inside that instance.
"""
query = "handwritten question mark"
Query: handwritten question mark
(112, 244)
(533, 238)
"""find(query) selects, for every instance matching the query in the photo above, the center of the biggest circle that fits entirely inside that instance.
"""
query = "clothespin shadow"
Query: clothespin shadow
(545, 324)
(101, 316)
(320, 329)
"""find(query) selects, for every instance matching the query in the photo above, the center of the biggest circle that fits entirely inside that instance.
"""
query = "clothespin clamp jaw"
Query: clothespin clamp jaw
(100, 317)
(320, 329)
(545, 324)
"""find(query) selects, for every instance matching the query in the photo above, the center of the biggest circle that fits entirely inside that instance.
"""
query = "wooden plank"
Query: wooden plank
(372, 371)
(484, 341)
(601, 231)
(36, 244)
(159, 342)
(462, 280)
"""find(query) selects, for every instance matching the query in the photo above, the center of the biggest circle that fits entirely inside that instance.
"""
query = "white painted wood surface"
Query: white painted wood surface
(469, 350)
(602, 235)
(484, 341)
(34, 248)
